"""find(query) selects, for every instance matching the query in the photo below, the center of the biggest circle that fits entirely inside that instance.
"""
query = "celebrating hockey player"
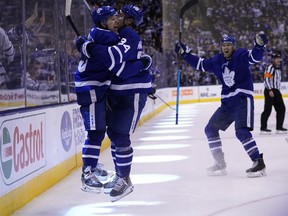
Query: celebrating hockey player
(231, 67)
(92, 80)
(127, 98)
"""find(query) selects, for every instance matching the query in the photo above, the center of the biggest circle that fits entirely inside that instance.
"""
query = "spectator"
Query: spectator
(6, 57)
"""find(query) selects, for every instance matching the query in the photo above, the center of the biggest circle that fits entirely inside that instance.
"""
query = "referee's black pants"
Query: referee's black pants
(279, 106)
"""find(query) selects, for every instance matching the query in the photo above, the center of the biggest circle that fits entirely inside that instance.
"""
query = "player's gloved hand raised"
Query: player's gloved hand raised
(146, 61)
(182, 49)
(260, 40)
(79, 42)
(82, 44)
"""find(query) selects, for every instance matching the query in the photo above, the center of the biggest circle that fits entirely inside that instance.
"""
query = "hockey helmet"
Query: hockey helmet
(276, 54)
(101, 14)
(228, 39)
(133, 11)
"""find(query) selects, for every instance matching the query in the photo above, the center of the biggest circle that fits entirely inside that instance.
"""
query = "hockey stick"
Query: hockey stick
(164, 102)
(87, 5)
(182, 11)
(68, 17)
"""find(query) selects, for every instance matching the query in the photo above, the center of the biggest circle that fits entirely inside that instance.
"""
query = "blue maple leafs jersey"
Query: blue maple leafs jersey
(118, 58)
(234, 74)
(93, 77)
(103, 36)
(138, 83)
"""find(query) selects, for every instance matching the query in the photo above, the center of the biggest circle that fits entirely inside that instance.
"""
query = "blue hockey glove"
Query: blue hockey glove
(260, 40)
(82, 45)
(80, 41)
(182, 49)
(151, 93)
(146, 61)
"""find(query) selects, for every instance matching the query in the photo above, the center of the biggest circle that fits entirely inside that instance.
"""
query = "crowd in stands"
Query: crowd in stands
(242, 19)
(202, 31)
(151, 29)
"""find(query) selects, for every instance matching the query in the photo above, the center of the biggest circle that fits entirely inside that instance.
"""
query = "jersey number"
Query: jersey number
(126, 47)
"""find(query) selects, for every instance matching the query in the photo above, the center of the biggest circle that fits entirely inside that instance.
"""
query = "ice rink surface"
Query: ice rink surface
(169, 174)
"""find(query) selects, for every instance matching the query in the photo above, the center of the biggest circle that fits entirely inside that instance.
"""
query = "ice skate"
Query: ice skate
(265, 131)
(122, 188)
(257, 169)
(108, 186)
(100, 173)
(281, 131)
(90, 182)
(219, 168)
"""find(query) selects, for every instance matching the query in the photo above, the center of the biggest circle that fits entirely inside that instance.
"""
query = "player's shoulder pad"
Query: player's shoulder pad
(128, 32)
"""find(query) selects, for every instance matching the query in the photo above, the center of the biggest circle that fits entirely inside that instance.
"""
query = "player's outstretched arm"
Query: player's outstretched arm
(260, 40)
(257, 53)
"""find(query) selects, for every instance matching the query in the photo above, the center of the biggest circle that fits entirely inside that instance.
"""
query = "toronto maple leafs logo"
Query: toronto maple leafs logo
(228, 77)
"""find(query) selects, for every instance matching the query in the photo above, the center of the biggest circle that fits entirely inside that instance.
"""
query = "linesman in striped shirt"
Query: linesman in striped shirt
(273, 96)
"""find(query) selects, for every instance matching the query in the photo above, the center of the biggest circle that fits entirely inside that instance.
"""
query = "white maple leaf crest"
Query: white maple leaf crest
(228, 77)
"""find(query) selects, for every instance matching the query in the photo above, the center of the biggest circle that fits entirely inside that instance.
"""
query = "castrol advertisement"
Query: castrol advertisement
(35, 141)
(22, 149)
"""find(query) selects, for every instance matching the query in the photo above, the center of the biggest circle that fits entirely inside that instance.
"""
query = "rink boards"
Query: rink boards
(40, 147)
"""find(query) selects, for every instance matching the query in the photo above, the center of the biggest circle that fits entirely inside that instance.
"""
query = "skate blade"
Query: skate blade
(90, 189)
(281, 132)
(126, 192)
(260, 173)
(222, 172)
(107, 190)
(102, 178)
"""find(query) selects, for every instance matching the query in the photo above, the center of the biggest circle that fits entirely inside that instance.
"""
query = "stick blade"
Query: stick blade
(68, 7)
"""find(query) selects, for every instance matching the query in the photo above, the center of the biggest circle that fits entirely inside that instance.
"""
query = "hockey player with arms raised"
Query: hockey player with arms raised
(231, 67)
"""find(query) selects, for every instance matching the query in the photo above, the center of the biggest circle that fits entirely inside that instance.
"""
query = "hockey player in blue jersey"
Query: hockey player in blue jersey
(127, 98)
(231, 67)
(92, 80)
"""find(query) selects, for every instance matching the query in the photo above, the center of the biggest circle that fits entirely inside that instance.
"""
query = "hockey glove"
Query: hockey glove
(182, 49)
(79, 42)
(151, 93)
(146, 61)
(260, 40)
(82, 44)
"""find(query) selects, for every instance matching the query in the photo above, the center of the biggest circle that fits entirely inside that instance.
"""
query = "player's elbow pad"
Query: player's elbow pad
(147, 61)
(85, 49)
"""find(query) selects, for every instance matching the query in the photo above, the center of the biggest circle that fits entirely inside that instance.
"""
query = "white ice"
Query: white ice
(169, 174)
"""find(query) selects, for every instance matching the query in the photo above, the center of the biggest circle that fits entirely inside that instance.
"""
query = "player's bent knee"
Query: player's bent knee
(119, 140)
(211, 131)
(96, 136)
(243, 134)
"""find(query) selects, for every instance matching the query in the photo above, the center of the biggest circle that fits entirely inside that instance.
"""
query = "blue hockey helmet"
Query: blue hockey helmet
(133, 11)
(101, 14)
(228, 39)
